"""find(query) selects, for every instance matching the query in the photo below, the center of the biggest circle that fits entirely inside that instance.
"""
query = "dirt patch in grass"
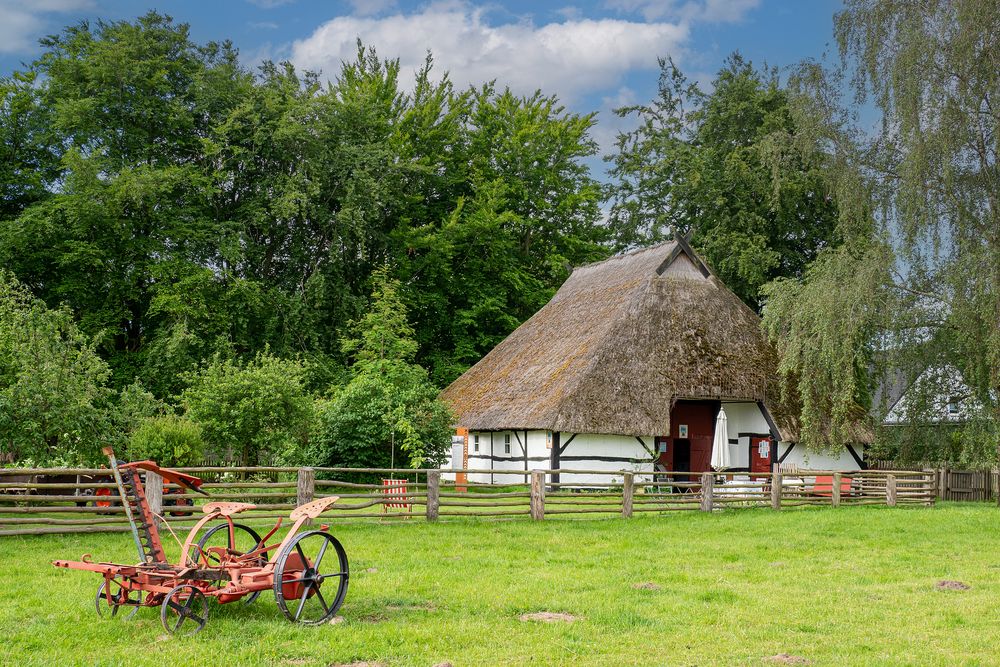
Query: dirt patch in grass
(426, 606)
(358, 664)
(549, 617)
(646, 586)
(788, 659)
(946, 585)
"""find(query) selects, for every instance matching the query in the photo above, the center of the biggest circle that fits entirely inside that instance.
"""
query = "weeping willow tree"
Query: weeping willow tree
(916, 283)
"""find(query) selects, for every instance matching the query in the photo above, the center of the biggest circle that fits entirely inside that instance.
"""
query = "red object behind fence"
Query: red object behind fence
(396, 495)
(824, 486)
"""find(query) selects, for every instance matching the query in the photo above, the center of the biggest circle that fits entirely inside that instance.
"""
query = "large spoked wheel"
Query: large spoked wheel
(124, 604)
(310, 578)
(184, 611)
(244, 539)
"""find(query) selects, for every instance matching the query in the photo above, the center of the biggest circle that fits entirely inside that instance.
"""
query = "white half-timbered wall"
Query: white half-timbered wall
(530, 450)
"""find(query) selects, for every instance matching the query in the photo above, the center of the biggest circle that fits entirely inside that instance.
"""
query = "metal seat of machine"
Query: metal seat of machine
(227, 509)
(313, 509)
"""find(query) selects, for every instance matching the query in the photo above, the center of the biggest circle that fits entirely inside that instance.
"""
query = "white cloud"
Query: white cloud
(570, 58)
(714, 11)
(22, 23)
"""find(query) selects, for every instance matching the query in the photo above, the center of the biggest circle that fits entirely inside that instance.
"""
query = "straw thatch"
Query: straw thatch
(616, 346)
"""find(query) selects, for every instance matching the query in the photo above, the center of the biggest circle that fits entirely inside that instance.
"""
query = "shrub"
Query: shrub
(169, 440)
(252, 408)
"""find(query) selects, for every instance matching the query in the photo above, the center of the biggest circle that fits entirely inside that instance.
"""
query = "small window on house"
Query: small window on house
(953, 405)
(506, 443)
(475, 443)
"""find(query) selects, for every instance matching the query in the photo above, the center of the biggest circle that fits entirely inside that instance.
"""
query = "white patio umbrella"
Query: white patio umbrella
(720, 446)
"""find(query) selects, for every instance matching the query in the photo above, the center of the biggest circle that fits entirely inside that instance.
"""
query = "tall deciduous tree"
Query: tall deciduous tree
(726, 167)
(183, 206)
(919, 198)
(54, 402)
(388, 414)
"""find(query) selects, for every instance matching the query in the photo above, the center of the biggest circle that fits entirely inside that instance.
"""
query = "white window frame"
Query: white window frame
(475, 443)
(506, 443)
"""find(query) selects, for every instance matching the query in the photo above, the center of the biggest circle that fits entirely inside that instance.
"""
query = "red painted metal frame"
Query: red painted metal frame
(236, 576)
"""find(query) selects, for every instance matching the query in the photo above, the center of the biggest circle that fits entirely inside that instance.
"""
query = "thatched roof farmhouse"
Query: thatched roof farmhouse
(631, 361)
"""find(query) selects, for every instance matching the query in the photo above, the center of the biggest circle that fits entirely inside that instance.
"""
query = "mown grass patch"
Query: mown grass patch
(848, 586)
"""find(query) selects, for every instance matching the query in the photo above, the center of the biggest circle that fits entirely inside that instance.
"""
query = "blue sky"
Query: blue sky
(595, 55)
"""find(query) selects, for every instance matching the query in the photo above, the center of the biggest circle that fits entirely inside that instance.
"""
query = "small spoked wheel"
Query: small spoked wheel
(310, 578)
(184, 610)
(119, 604)
(243, 539)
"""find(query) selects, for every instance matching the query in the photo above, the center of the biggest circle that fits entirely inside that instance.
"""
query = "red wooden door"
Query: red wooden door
(761, 454)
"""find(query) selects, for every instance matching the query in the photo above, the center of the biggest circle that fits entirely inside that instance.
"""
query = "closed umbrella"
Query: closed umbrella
(720, 446)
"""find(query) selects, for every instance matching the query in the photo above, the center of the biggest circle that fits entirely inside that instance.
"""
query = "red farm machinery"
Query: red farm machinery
(307, 571)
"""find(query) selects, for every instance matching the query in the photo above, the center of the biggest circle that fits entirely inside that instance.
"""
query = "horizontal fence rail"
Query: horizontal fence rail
(85, 500)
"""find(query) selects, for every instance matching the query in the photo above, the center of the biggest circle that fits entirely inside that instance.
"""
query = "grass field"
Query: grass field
(847, 586)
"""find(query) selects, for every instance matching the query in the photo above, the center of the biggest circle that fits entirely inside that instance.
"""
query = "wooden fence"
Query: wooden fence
(961, 485)
(44, 501)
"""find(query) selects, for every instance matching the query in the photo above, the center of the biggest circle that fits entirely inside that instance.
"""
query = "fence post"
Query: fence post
(433, 494)
(942, 490)
(707, 485)
(628, 488)
(154, 495)
(835, 491)
(890, 490)
(537, 495)
(930, 486)
(306, 488)
(776, 491)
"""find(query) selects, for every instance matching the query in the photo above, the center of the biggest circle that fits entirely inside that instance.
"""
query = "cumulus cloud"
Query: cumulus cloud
(22, 23)
(713, 11)
(573, 57)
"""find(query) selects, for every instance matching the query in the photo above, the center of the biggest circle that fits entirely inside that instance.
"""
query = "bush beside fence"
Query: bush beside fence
(42, 501)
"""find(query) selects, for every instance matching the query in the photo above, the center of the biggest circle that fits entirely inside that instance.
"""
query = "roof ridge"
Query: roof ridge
(623, 255)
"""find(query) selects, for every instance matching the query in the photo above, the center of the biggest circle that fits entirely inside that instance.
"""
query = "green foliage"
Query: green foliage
(825, 330)
(184, 207)
(921, 195)
(383, 419)
(384, 333)
(250, 409)
(388, 414)
(54, 404)
(728, 167)
(169, 440)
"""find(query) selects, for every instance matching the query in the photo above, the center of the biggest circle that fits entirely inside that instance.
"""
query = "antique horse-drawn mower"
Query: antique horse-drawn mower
(230, 562)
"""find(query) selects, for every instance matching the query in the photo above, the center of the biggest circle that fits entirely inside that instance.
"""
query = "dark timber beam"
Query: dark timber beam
(566, 444)
(857, 459)
(770, 422)
(554, 457)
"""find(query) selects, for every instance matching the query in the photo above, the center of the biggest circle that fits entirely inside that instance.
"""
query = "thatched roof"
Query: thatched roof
(621, 341)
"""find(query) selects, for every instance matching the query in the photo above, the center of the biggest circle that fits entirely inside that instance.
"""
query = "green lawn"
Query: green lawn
(846, 586)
